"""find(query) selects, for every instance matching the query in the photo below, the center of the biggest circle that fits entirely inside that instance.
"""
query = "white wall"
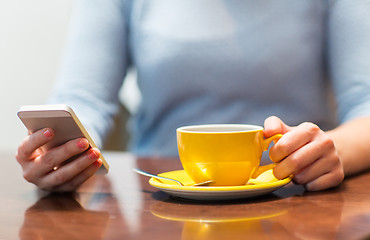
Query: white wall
(32, 34)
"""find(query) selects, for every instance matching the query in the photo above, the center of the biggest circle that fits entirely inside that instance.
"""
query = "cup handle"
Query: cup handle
(266, 144)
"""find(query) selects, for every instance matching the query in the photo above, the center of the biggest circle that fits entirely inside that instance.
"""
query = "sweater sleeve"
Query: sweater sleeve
(349, 56)
(94, 64)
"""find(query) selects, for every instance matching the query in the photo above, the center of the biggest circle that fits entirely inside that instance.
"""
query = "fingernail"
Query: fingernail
(82, 143)
(98, 163)
(47, 133)
(93, 155)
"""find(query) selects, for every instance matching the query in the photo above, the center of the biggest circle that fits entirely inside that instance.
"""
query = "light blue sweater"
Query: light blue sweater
(216, 61)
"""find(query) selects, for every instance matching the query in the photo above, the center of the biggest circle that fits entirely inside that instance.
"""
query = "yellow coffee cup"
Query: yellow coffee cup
(228, 154)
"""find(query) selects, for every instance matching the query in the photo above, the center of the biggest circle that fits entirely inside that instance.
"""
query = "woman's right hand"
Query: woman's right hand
(50, 170)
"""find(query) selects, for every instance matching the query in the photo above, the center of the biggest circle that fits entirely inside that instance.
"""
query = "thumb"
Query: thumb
(274, 125)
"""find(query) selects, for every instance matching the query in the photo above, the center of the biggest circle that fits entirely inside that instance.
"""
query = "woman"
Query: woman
(217, 62)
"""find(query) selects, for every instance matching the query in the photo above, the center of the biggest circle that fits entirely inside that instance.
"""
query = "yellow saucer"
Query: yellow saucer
(263, 184)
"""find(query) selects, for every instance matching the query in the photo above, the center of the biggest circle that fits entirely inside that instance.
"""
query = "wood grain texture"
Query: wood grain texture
(122, 205)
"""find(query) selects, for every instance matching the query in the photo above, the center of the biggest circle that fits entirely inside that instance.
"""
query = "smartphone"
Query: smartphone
(62, 120)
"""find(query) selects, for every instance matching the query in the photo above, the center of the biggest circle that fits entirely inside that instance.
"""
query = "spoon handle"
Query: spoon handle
(155, 176)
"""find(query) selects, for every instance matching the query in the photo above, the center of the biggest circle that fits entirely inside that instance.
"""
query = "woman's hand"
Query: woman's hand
(307, 152)
(51, 170)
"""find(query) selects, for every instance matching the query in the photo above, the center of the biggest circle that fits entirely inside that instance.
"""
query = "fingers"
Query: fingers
(307, 153)
(297, 160)
(328, 180)
(73, 174)
(323, 173)
(292, 141)
(54, 158)
(300, 148)
(31, 143)
(62, 168)
(80, 178)
(273, 125)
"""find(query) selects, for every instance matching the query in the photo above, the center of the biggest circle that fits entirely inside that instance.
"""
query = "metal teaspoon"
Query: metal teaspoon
(165, 178)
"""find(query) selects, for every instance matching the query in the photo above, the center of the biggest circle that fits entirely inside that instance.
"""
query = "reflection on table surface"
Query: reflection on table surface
(62, 213)
(122, 205)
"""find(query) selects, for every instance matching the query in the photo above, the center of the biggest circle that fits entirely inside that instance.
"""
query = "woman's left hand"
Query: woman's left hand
(307, 153)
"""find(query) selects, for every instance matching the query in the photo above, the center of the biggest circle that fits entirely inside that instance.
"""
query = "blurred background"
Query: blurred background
(32, 37)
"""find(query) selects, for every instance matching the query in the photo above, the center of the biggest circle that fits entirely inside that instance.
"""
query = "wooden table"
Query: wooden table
(122, 205)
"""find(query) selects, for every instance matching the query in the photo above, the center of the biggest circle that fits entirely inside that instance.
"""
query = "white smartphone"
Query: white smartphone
(62, 120)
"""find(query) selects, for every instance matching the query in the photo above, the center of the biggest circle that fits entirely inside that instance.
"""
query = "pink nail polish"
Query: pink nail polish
(98, 163)
(93, 155)
(47, 133)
